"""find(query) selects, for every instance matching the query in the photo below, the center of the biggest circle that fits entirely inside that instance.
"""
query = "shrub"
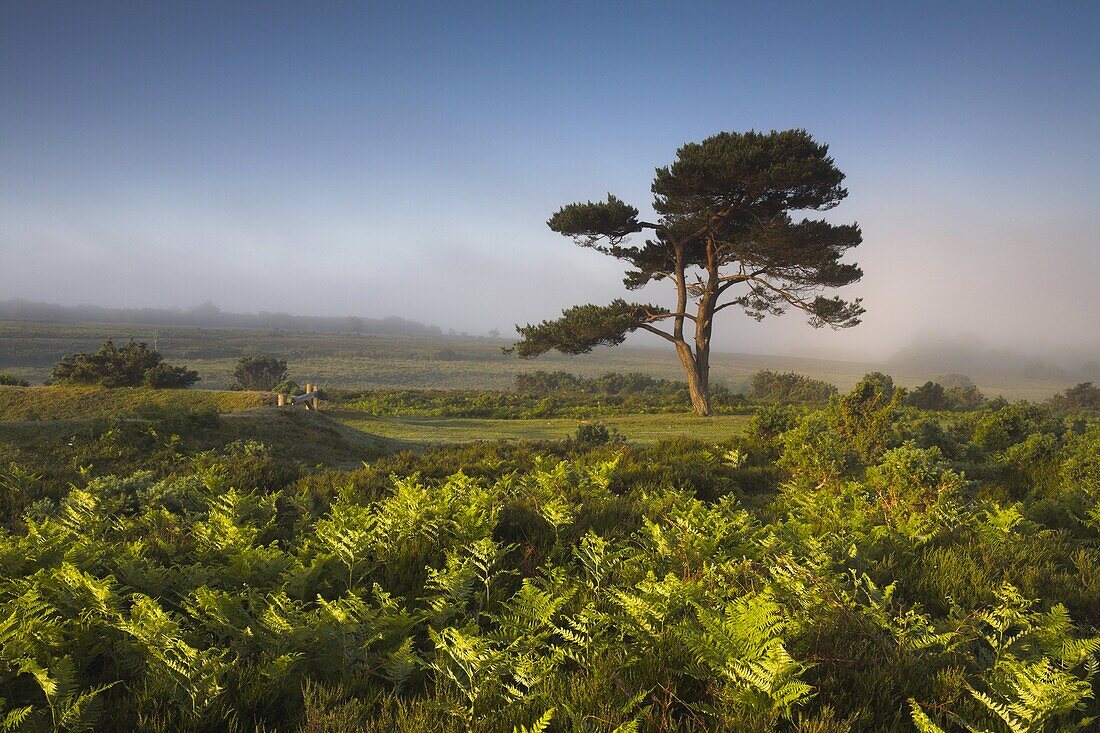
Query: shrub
(771, 421)
(866, 414)
(1084, 396)
(962, 399)
(790, 389)
(10, 380)
(593, 434)
(166, 376)
(133, 365)
(928, 396)
(288, 386)
(934, 396)
(260, 373)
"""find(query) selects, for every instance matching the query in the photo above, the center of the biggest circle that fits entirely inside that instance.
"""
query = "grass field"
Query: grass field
(63, 403)
(32, 409)
(29, 350)
(634, 428)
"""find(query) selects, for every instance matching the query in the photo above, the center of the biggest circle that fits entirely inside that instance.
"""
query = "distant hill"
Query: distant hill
(210, 315)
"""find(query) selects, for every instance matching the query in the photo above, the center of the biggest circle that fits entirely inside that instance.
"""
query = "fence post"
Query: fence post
(282, 400)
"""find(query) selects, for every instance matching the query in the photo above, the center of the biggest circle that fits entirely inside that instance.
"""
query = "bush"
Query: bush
(790, 389)
(865, 416)
(934, 396)
(260, 373)
(10, 380)
(134, 365)
(771, 421)
(166, 376)
(1084, 396)
(288, 386)
(592, 434)
(928, 396)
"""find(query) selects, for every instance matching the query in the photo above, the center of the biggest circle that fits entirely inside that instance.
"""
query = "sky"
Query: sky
(402, 158)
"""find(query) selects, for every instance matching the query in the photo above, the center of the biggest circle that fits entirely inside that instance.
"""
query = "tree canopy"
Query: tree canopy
(724, 221)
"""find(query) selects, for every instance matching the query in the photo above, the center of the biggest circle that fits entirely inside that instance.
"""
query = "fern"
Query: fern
(539, 726)
(921, 721)
(1029, 694)
(743, 646)
(68, 708)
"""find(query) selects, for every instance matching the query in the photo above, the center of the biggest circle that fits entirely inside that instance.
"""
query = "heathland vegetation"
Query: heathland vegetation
(851, 562)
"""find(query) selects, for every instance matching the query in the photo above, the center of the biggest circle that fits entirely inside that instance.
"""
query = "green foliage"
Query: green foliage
(149, 584)
(1080, 465)
(288, 386)
(770, 422)
(1084, 396)
(166, 376)
(591, 434)
(582, 328)
(10, 380)
(260, 373)
(789, 389)
(928, 396)
(133, 365)
(612, 219)
(865, 415)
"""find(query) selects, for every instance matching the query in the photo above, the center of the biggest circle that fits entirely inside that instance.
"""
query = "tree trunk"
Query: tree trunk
(696, 381)
(700, 394)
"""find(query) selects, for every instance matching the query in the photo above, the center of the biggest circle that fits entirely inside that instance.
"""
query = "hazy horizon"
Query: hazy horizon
(373, 162)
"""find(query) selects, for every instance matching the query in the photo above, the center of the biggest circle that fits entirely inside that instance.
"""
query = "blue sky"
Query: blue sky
(402, 158)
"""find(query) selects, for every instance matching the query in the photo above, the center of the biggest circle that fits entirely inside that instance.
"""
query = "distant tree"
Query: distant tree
(260, 373)
(133, 365)
(1084, 396)
(725, 223)
(928, 396)
(963, 399)
(10, 380)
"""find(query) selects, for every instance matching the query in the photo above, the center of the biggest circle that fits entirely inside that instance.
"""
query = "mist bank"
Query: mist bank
(971, 356)
(209, 315)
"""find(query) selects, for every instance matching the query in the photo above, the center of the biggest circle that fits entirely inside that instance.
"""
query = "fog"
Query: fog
(407, 168)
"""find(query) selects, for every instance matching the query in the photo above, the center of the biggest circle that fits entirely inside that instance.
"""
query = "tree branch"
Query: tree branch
(666, 336)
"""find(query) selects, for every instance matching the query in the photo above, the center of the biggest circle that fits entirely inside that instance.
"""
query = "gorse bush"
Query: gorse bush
(789, 388)
(260, 373)
(845, 569)
(132, 365)
(10, 380)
